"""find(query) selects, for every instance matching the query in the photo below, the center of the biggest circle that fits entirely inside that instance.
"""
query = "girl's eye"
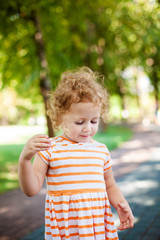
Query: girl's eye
(93, 122)
(78, 123)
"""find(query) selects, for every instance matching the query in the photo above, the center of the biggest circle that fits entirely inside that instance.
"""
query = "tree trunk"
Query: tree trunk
(45, 84)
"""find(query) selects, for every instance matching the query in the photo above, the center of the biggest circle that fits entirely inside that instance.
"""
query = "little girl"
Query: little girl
(80, 183)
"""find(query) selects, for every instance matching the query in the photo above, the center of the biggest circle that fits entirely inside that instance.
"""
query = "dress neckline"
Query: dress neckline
(79, 143)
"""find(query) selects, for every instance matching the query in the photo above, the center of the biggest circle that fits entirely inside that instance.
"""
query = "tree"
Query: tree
(17, 15)
(41, 39)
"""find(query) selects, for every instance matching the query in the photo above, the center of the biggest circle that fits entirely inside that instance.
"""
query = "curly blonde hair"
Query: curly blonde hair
(79, 85)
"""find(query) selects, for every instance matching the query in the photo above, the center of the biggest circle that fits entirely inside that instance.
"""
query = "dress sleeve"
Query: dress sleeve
(45, 155)
(108, 162)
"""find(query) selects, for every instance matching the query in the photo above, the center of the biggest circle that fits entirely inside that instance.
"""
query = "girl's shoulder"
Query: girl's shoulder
(101, 145)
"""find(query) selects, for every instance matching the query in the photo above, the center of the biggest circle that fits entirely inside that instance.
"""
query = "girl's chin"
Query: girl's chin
(85, 139)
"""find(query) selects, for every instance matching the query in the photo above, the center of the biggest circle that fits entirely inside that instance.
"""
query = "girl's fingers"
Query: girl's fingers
(131, 221)
(124, 226)
(42, 145)
(39, 139)
(41, 136)
(41, 149)
(128, 224)
(43, 141)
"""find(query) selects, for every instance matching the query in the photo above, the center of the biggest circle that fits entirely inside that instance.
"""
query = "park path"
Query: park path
(20, 215)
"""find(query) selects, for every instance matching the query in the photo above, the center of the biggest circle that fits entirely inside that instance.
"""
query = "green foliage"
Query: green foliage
(115, 108)
(107, 36)
(18, 109)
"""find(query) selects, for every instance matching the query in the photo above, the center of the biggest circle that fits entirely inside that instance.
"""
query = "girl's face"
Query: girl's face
(81, 121)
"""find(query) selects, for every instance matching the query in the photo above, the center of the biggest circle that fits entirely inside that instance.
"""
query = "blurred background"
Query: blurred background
(41, 39)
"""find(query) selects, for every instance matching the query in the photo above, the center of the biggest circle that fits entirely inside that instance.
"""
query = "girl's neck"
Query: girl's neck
(65, 136)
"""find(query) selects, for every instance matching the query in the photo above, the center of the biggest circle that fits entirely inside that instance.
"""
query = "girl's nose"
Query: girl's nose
(87, 127)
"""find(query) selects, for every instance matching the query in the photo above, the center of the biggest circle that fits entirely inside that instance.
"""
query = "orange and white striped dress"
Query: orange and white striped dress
(77, 206)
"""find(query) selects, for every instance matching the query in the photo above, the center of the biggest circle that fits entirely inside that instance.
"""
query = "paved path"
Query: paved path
(142, 190)
(137, 171)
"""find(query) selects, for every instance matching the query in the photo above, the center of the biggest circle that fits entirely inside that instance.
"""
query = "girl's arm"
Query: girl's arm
(31, 177)
(118, 201)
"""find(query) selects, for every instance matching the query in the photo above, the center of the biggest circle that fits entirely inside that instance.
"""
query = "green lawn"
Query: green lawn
(114, 136)
(9, 154)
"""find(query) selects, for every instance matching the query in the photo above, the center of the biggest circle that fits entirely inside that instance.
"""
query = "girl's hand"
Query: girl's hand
(35, 144)
(125, 216)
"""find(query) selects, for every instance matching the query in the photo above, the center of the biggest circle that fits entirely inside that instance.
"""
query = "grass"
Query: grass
(113, 137)
(9, 155)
